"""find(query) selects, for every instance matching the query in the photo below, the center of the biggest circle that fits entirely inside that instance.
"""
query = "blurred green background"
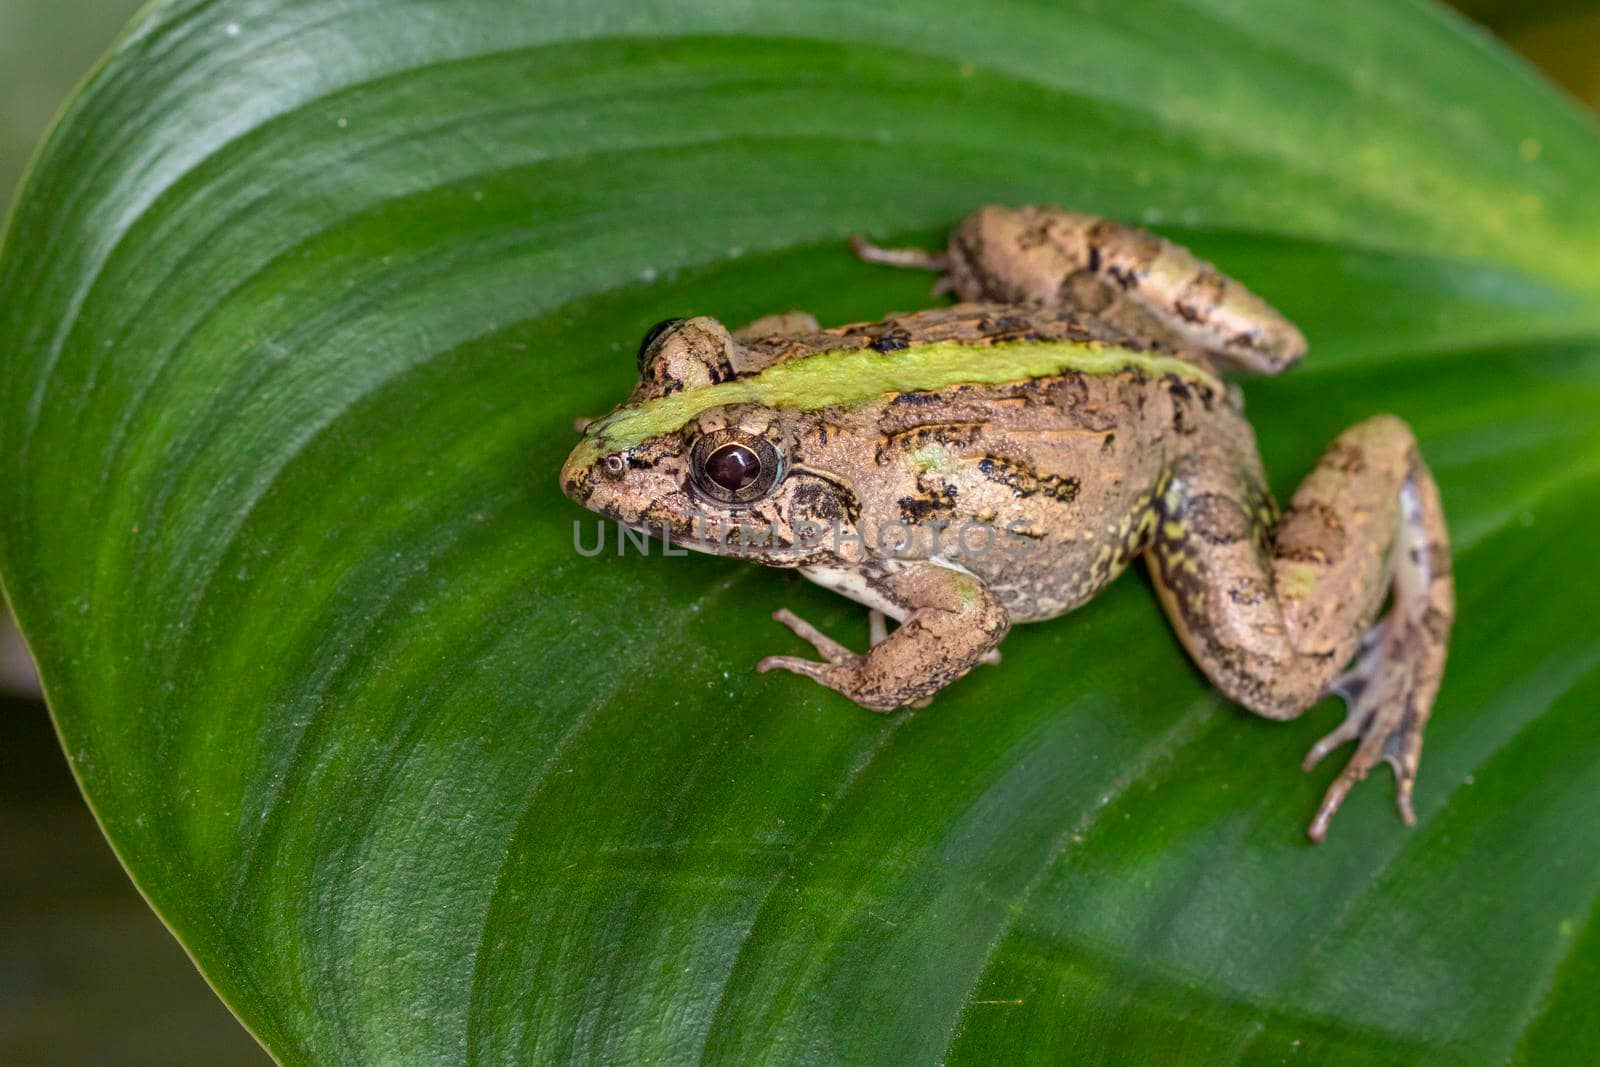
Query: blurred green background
(87, 974)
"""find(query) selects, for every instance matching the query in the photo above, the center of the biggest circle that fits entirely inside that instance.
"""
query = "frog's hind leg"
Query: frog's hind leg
(1272, 611)
(783, 324)
(1399, 663)
(1123, 275)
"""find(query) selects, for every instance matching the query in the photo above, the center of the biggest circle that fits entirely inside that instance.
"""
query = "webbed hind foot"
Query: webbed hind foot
(1389, 692)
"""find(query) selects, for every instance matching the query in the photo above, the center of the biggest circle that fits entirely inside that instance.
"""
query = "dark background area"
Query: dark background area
(88, 974)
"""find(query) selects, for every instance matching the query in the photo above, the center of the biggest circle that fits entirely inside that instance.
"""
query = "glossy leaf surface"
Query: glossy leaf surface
(301, 301)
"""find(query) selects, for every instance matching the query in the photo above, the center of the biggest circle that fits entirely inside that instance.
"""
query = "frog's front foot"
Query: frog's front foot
(842, 672)
(1389, 693)
(831, 650)
(952, 622)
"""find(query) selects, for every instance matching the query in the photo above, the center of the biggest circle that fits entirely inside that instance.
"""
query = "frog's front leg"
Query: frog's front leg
(1272, 611)
(878, 629)
(950, 623)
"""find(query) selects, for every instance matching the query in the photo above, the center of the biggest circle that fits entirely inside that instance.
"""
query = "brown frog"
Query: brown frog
(1001, 460)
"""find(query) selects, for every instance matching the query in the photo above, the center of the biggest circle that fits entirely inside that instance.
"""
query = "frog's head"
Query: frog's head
(715, 476)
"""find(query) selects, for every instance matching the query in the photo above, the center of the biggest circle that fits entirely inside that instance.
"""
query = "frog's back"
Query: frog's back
(1047, 485)
(1043, 484)
(976, 325)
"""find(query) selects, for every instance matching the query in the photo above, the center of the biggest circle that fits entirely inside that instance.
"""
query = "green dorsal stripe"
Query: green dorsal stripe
(855, 376)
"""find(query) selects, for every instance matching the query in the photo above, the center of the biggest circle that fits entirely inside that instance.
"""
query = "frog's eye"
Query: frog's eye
(734, 467)
(614, 465)
(651, 336)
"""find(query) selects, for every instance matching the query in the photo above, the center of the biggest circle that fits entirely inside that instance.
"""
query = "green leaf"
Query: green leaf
(301, 300)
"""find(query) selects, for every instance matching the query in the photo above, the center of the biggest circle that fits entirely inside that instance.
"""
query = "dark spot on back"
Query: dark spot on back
(937, 497)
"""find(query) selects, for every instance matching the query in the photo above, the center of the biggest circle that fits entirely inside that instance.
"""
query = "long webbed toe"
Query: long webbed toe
(1388, 696)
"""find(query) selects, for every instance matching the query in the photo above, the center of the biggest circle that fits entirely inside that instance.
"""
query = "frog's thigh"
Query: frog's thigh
(1272, 628)
(787, 324)
(950, 623)
(1121, 273)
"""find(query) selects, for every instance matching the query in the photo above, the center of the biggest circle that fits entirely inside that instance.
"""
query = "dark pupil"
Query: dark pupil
(733, 467)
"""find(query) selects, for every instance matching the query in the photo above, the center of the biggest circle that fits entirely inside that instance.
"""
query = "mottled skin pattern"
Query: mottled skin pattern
(1126, 277)
(1072, 476)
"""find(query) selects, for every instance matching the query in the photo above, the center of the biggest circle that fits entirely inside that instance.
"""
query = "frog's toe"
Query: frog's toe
(810, 668)
(826, 647)
(1388, 702)
(909, 258)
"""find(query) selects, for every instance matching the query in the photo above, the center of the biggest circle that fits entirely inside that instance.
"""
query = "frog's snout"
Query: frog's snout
(578, 478)
(598, 481)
